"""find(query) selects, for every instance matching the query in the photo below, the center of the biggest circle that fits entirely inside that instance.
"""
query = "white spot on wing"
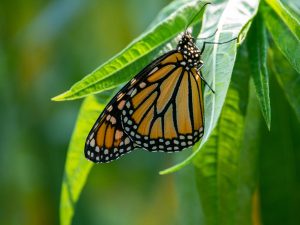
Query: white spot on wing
(152, 71)
(133, 92)
(120, 96)
(113, 120)
(133, 81)
(92, 143)
(92, 135)
(110, 108)
(127, 140)
(142, 85)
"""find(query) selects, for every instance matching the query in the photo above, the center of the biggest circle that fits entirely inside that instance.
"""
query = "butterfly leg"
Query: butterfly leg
(205, 82)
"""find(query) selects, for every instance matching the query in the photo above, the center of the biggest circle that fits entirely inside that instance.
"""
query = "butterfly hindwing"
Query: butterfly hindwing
(107, 140)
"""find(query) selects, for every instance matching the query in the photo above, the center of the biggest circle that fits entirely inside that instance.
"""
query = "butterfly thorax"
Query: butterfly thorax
(191, 53)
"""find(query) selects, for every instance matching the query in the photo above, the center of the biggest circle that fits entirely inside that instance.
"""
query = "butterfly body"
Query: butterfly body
(160, 109)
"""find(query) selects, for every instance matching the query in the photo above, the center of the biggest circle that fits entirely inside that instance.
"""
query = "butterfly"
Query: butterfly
(160, 109)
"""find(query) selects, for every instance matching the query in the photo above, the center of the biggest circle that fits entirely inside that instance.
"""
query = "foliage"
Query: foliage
(233, 179)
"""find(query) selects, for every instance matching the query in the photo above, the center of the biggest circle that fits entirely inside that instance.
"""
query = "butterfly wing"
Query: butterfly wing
(107, 140)
(165, 108)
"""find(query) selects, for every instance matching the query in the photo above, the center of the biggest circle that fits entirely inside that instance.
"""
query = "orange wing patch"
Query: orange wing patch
(169, 129)
(166, 91)
(144, 127)
(143, 95)
(161, 73)
(156, 130)
(172, 58)
(143, 107)
(198, 106)
(182, 103)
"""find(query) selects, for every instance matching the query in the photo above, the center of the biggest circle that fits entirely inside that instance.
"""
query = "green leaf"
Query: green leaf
(248, 164)
(77, 167)
(257, 48)
(136, 55)
(285, 40)
(288, 18)
(218, 163)
(229, 18)
(287, 77)
(279, 164)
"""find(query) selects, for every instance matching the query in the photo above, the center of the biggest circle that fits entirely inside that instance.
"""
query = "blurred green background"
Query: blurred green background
(45, 46)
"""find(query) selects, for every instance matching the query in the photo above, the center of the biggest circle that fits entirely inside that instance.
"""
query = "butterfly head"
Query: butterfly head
(190, 51)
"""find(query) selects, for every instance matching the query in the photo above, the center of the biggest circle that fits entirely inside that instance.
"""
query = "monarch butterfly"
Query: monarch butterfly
(160, 109)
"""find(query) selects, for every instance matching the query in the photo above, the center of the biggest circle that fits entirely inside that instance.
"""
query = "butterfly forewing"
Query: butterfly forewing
(165, 108)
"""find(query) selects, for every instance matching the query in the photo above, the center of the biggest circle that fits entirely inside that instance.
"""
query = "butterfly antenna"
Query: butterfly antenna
(205, 82)
(219, 43)
(193, 18)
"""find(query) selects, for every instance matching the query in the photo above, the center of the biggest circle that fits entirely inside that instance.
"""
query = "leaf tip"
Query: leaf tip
(165, 172)
(61, 97)
(267, 117)
(171, 169)
(269, 124)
